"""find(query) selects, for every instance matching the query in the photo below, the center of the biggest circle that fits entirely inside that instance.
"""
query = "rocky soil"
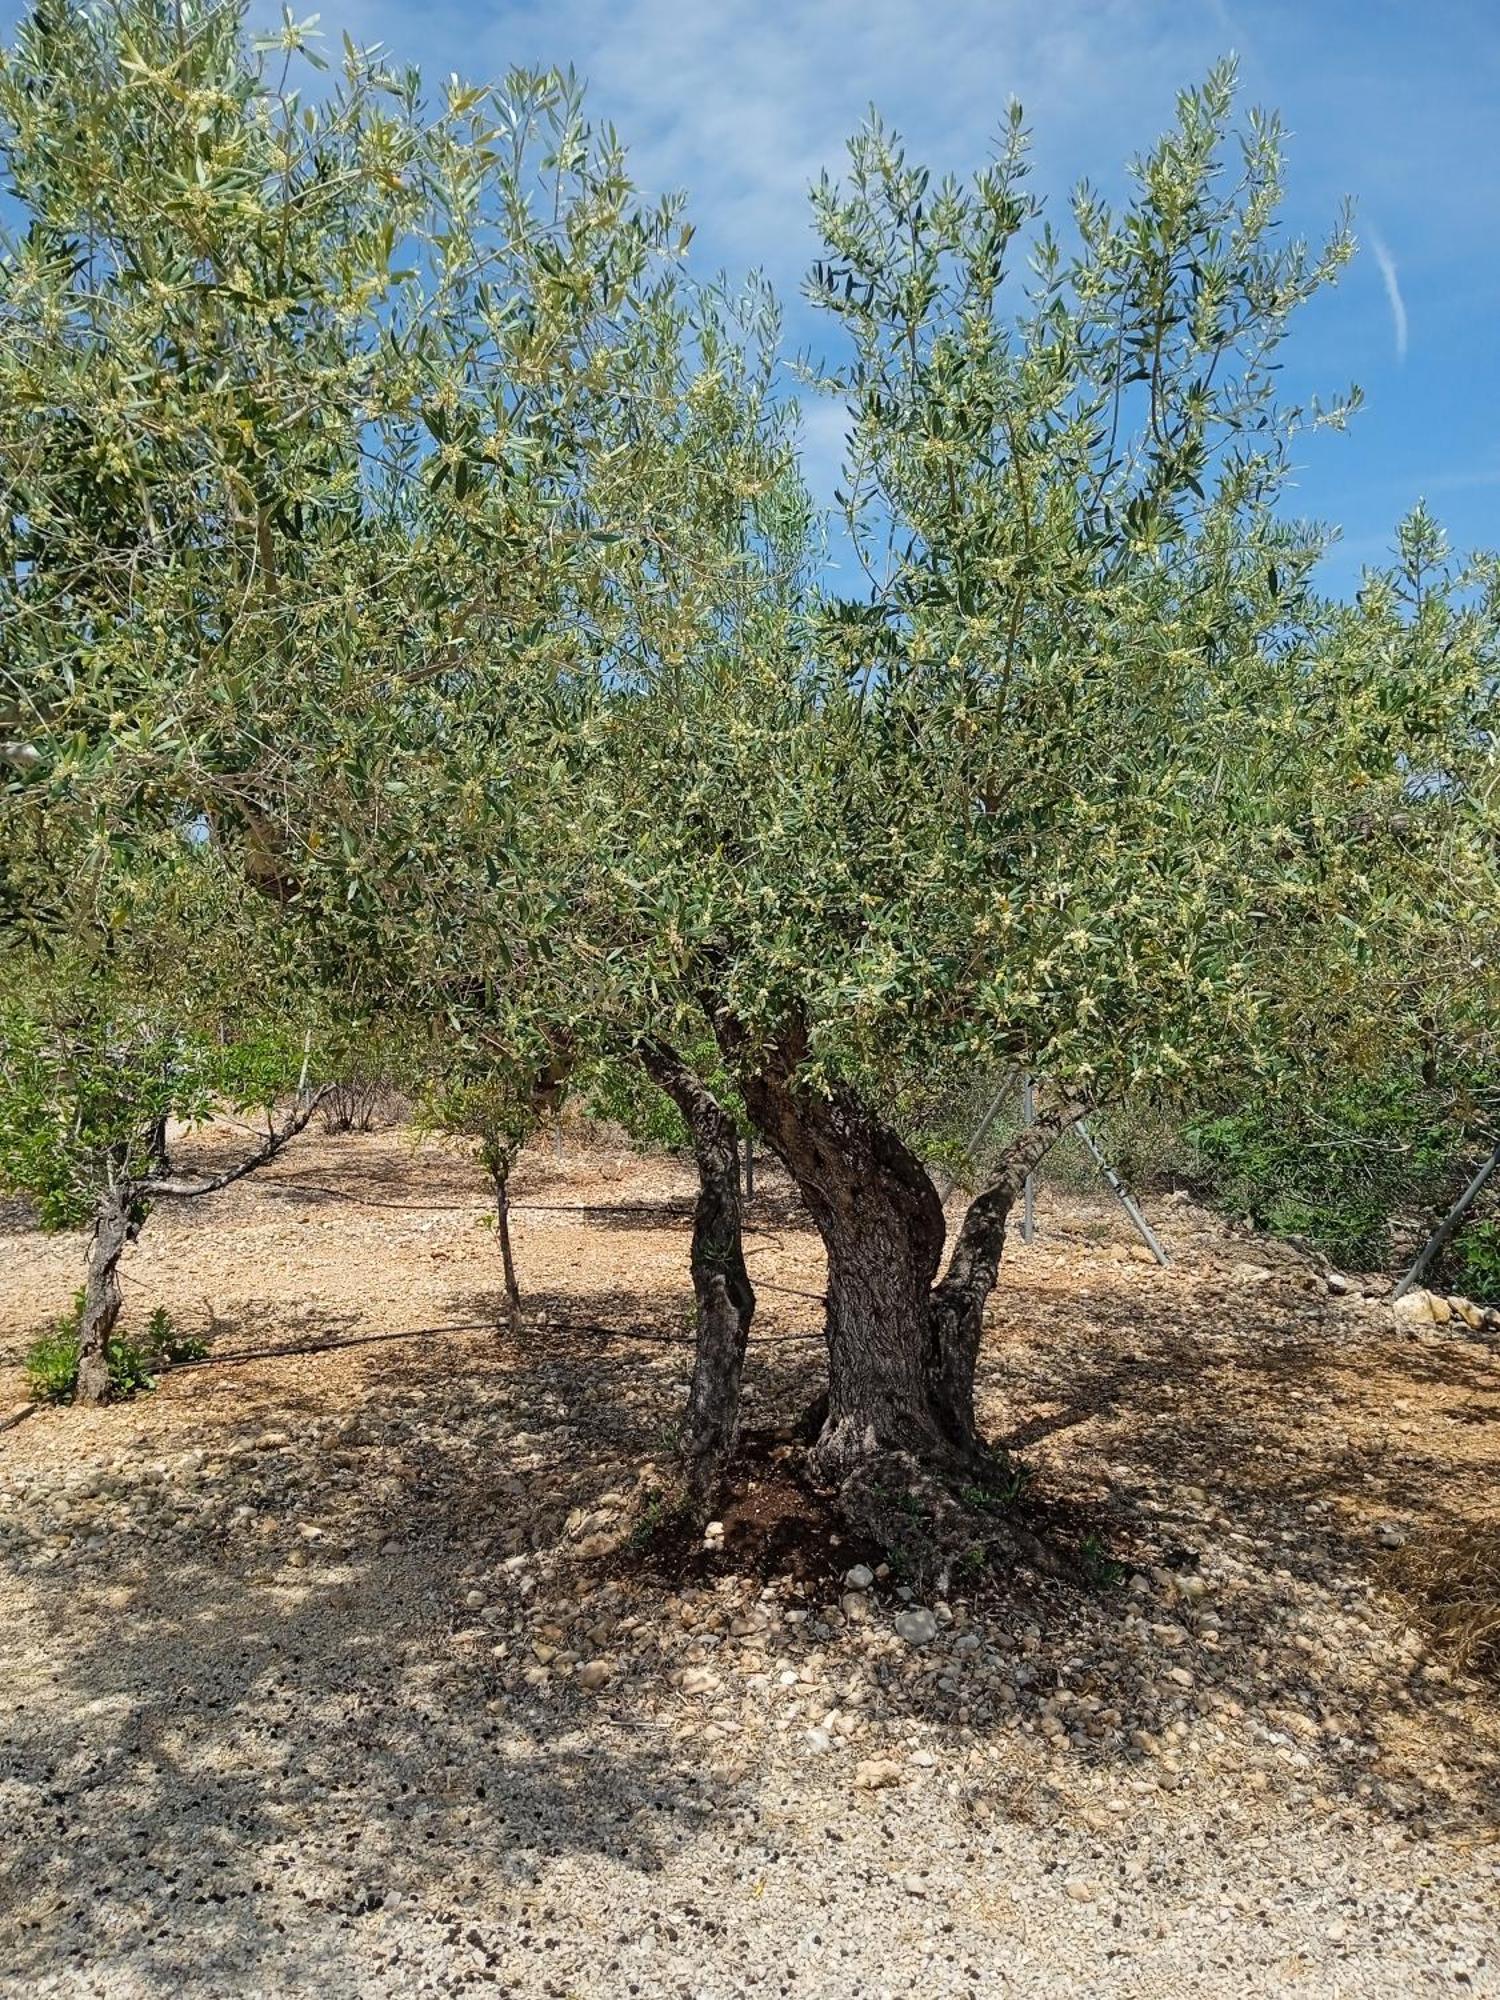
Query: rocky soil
(349, 1672)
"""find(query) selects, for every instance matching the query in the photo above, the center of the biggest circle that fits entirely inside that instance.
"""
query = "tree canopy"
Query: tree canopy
(393, 514)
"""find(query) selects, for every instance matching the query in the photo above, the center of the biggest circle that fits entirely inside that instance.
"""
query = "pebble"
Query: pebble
(875, 1773)
(917, 1626)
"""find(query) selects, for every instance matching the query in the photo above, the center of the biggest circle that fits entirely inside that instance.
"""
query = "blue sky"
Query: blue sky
(1393, 102)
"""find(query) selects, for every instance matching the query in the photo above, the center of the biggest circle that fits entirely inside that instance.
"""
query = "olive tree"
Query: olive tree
(361, 453)
(1089, 780)
(93, 1069)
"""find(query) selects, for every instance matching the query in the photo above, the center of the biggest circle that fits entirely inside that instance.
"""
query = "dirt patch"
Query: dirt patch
(774, 1525)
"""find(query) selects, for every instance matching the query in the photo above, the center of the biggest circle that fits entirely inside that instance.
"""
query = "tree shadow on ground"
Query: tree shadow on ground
(1214, 1450)
(224, 1735)
(1255, 1441)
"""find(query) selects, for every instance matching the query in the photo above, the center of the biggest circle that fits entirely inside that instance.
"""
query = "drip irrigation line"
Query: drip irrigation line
(667, 1215)
(485, 1207)
(327, 1347)
(459, 1326)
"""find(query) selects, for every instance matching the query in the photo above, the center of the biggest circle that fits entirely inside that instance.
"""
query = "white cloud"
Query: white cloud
(1392, 285)
(742, 105)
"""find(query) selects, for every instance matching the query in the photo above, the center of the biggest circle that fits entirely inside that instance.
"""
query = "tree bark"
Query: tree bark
(270, 1146)
(115, 1224)
(721, 1283)
(498, 1161)
(958, 1303)
(882, 1228)
(902, 1348)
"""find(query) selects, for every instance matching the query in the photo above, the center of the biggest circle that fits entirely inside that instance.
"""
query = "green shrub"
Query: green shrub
(1476, 1260)
(166, 1342)
(129, 1368)
(1347, 1173)
(51, 1364)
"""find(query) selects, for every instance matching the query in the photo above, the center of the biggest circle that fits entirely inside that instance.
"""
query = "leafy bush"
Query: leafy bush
(52, 1360)
(166, 1342)
(1344, 1173)
(129, 1368)
(1476, 1260)
(51, 1364)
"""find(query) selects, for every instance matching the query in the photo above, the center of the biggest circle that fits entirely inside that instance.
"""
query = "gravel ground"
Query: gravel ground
(327, 1672)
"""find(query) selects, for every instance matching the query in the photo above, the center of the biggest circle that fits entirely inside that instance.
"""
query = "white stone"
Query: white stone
(875, 1773)
(917, 1626)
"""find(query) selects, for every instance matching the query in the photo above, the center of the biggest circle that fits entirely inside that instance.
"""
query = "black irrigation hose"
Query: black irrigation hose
(483, 1208)
(668, 1215)
(457, 1326)
(325, 1346)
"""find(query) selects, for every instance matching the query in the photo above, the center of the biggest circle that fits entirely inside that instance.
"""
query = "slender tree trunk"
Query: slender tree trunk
(114, 1226)
(721, 1283)
(507, 1259)
(156, 1147)
(498, 1161)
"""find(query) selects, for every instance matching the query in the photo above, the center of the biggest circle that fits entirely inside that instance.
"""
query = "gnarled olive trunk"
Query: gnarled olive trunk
(902, 1348)
(882, 1228)
(721, 1283)
(115, 1224)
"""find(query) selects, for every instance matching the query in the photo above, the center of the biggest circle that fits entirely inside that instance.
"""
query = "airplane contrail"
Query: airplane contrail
(1392, 284)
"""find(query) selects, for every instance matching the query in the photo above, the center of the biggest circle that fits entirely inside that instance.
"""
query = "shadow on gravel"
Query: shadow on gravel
(223, 1736)
(1248, 1444)
(222, 1741)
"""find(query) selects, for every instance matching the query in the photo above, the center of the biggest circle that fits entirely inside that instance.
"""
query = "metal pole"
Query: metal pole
(1121, 1193)
(944, 1180)
(1448, 1227)
(1028, 1205)
(749, 1166)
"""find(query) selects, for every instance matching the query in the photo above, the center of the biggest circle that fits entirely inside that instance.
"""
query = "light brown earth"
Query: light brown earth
(320, 1677)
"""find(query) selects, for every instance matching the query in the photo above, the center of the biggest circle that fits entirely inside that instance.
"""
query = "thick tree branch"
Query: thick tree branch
(156, 1187)
(981, 1239)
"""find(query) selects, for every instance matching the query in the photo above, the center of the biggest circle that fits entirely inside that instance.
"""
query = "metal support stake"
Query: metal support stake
(749, 1166)
(1028, 1202)
(1447, 1229)
(1121, 1193)
(942, 1179)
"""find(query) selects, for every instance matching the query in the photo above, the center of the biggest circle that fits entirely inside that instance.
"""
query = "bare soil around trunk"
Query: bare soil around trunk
(345, 1664)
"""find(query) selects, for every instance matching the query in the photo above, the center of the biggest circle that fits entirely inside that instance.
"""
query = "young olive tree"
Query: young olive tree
(496, 1101)
(362, 455)
(90, 1077)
